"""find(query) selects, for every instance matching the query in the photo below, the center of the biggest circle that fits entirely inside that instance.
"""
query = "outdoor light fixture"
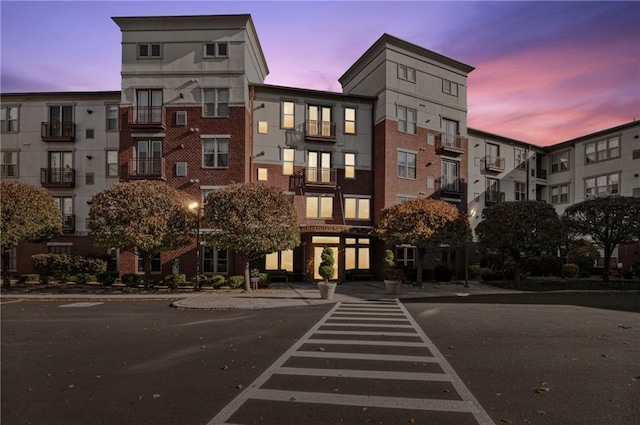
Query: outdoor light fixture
(194, 206)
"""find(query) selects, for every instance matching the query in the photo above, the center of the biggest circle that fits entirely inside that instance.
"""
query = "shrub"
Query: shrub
(489, 275)
(474, 271)
(175, 280)
(218, 281)
(61, 266)
(131, 279)
(442, 273)
(264, 280)
(326, 269)
(85, 278)
(24, 278)
(570, 270)
(583, 254)
(236, 282)
(107, 278)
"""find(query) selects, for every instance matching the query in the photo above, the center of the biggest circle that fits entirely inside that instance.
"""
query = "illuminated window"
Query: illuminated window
(262, 174)
(288, 156)
(281, 260)
(350, 165)
(288, 114)
(357, 208)
(349, 120)
(319, 206)
(357, 254)
(262, 127)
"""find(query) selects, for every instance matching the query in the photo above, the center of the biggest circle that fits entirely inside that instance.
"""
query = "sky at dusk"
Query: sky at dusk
(545, 71)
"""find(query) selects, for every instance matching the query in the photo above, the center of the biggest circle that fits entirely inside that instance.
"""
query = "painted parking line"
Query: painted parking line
(82, 304)
(354, 334)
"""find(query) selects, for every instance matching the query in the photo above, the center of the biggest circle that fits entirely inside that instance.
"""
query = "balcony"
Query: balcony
(541, 173)
(493, 197)
(450, 144)
(68, 223)
(316, 177)
(56, 131)
(146, 169)
(449, 185)
(493, 164)
(147, 118)
(320, 130)
(58, 177)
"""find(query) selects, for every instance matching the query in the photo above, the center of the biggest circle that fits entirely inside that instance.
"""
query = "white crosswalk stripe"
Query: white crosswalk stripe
(361, 331)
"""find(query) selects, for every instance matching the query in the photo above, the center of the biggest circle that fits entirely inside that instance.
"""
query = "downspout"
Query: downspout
(251, 96)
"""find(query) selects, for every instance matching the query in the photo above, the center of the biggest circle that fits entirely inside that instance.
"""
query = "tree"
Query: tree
(144, 217)
(426, 223)
(608, 221)
(583, 254)
(251, 219)
(519, 229)
(326, 269)
(26, 213)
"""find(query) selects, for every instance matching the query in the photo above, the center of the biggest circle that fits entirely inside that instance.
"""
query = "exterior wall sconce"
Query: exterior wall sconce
(89, 157)
(429, 164)
(89, 111)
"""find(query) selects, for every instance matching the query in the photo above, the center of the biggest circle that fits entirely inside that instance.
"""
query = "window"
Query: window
(112, 163)
(560, 194)
(262, 174)
(216, 102)
(406, 165)
(450, 179)
(560, 162)
(349, 120)
(406, 119)
(319, 206)
(215, 261)
(181, 169)
(65, 204)
(602, 150)
(181, 118)
(405, 256)
(350, 165)
(149, 50)
(288, 114)
(605, 185)
(636, 154)
(213, 50)
(450, 87)
(89, 179)
(59, 249)
(89, 133)
(156, 265)
(521, 191)
(520, 159)
(9, 119)
(112, 117)
(8, 164)
(149, 106)
(319, 167)
(215, 153)
(357, 208)
(281, 260)
(406, 73)
(357, 253)
(450, 133)
(319, 121)
(287, 161)
(262, 127)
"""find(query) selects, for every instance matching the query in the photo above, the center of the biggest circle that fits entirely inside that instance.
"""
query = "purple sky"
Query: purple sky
(545, 72)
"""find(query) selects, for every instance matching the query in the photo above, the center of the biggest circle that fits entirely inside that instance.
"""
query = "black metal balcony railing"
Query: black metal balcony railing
(541, 173)
(322, 130)
(450, 143)
(58, 177)
(450, 184)
(493, 163)
(147, 116)
(493, 197)
(56, 131)
(146, 168)
(313, 176)
(68, 223)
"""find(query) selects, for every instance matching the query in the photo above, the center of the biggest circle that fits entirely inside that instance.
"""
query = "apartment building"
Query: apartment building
(66, 144)
(193, 111)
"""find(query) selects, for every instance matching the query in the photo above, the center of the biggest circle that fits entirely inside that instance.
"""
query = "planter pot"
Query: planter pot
(393, 286)
(327, 289)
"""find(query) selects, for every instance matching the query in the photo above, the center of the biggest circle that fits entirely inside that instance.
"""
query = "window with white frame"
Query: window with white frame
(350, 165)
(9, 164)
(350, 120)
(405, 256)
(560, 194)
(216, 50)
(156, 264)
(520, 191)
(262, 174)
(357, 208)
(602, 150)
(288, 156)
(216, 102)
(9, 119)
(215, 152)
(319, 206)
(559, 162)
(280, 260)
(406, 73)
(605, 185)
(149, 50)
(288, 114)
(450, 87)
(215, 261)
(520, 158)
(357, 253)
(406, 165)
(112, 117)
(406, 119)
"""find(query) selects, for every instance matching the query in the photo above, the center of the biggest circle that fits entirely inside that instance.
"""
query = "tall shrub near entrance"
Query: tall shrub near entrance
(26, 214)
(143, 217)
(251, 219)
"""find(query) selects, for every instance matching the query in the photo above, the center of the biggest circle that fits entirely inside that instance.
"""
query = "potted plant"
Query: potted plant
(392, 277)
(326, 271)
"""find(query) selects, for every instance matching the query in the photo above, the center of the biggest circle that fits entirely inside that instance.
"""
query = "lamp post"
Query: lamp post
(196, 207)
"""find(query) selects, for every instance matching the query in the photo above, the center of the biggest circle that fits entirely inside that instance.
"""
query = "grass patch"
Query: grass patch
(540, 285)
